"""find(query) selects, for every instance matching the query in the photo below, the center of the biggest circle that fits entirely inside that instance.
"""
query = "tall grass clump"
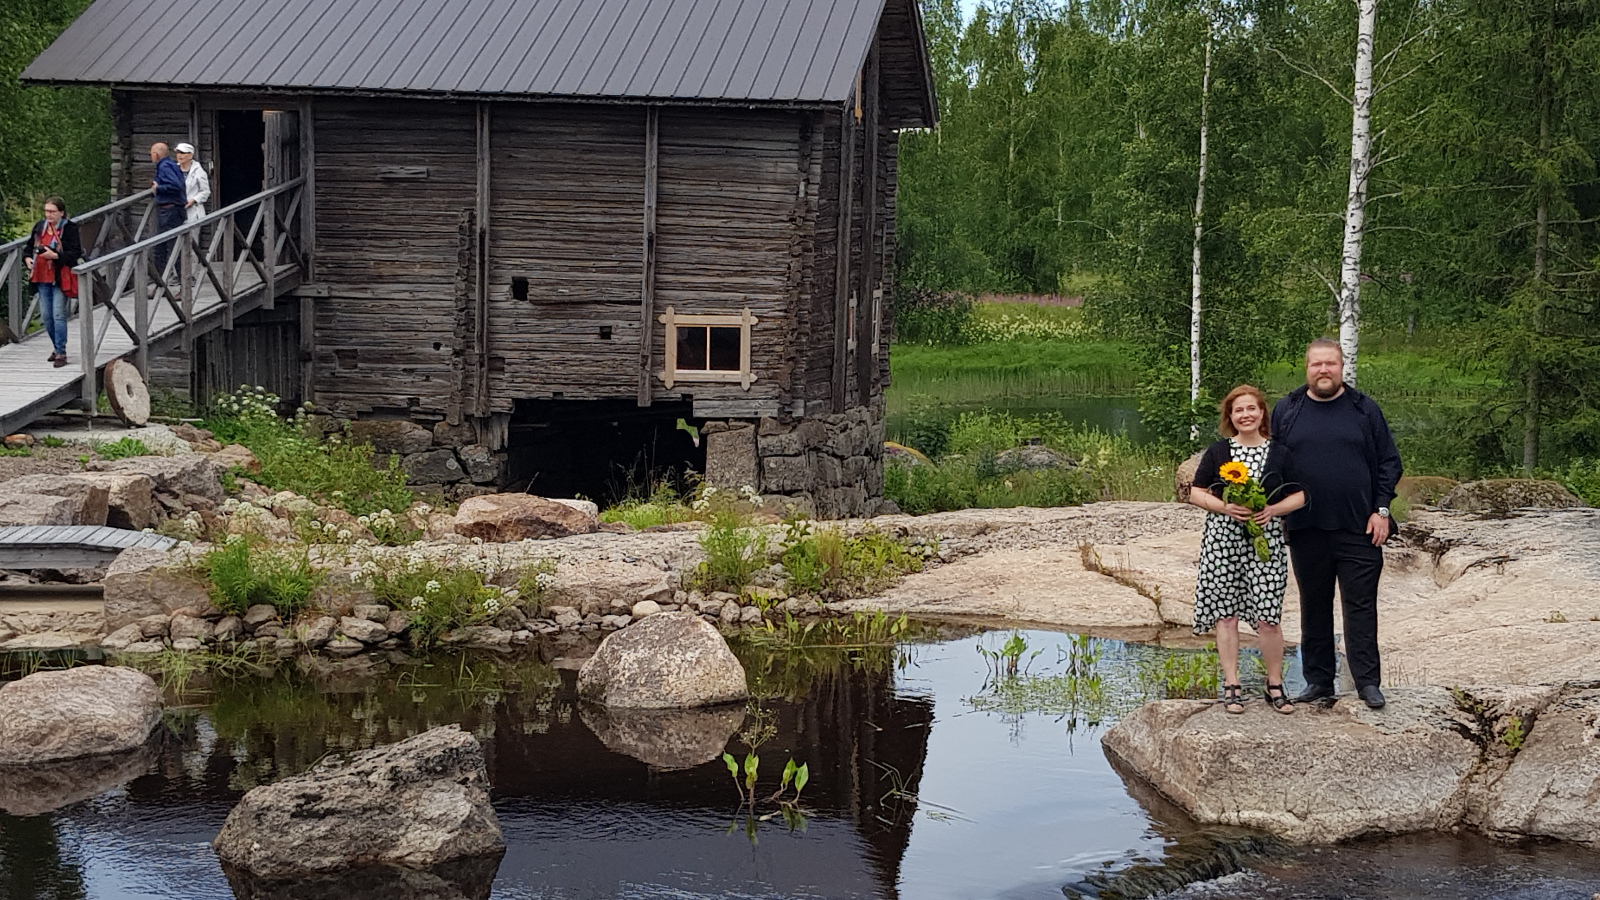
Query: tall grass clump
(663, 506)
(245, 571)
(933, 318)
(337, 472)
(826, 562)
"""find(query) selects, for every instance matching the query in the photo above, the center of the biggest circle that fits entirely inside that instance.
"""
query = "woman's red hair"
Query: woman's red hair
(1226, 408)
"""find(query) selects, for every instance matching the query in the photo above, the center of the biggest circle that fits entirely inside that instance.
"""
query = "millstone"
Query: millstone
(130, 399)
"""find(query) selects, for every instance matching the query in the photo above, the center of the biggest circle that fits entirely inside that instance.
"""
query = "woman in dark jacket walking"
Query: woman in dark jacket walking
(1234, 582)
(54, 249)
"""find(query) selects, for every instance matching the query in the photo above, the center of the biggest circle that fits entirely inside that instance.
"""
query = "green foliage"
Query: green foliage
(734, 552)
(1514, 734)
(931, 317)
(532, 582)
(833, 566)
(440, 595)
(663, 506)
(52, 140)
(122, 448)
(338, 471)
(16, 451)
(1582, 478)
(51, 440)
(245, 571)
(1006, 661)
(973, 473)
(1194, 675)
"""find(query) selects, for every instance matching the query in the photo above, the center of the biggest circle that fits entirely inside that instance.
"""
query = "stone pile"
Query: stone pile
(828, 466)
(449, 456)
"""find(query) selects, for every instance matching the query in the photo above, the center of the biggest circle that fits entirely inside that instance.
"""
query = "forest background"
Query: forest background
(1066, 163)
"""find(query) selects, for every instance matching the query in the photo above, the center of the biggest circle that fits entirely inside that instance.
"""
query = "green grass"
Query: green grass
(121, 448)
(958, 375)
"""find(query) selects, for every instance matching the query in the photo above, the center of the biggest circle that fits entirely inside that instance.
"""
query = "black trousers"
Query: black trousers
(1321, 559)
(168, 217)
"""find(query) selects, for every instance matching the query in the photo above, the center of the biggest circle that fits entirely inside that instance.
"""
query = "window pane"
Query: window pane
(725, 349)
(691, 347)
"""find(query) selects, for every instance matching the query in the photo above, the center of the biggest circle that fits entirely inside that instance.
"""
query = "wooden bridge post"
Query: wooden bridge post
(18, 307)
(269, 251)
(141, 312)
(86, 347)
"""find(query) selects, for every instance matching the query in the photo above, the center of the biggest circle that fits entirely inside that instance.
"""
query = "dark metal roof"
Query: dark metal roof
(755, 51)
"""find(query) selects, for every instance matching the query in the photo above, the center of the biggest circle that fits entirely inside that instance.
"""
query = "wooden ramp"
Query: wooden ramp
(70, 546)
(31, 387)
(217, 269)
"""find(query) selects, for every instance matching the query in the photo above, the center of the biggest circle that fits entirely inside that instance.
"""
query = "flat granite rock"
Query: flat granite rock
(1517, 761)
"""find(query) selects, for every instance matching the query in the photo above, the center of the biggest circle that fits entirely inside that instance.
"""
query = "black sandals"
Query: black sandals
(1233, 698)
(1279, 700)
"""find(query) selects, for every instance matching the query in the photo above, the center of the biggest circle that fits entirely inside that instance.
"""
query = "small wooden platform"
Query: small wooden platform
(70, 546)
(31, 387)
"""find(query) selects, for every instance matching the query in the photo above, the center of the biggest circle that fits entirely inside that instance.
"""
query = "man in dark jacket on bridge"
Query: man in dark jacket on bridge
(171, 200)
(1345, 458)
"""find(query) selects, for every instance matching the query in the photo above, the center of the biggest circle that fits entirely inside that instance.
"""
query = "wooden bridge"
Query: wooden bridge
(70, 546)
(240, 258)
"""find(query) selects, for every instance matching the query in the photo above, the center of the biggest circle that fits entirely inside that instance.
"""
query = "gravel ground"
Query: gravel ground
(44, 461)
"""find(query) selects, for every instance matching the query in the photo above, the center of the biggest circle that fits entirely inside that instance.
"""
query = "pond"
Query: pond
(934, 775)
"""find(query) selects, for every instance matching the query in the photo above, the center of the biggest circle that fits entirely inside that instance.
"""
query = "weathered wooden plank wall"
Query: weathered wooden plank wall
(567, 211)
(392, 179)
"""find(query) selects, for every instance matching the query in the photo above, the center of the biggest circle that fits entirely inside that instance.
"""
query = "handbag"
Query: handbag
(68, 283)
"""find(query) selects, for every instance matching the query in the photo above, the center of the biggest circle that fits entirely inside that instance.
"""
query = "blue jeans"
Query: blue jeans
(53, 309)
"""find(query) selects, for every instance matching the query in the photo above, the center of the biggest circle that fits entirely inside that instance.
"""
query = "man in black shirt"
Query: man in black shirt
(1345, 458)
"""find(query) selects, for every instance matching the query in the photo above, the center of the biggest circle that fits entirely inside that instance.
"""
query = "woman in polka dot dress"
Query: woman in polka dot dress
(1233, 582)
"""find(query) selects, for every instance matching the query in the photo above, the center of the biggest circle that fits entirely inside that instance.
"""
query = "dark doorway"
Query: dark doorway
(241, 157)
(604, 450)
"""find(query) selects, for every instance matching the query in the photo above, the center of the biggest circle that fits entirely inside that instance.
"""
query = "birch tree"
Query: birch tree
(1355, 211)
(1199, 232)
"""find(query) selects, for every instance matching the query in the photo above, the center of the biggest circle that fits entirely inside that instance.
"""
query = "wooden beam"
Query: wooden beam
(480, 330)
(841, 250)
(308, 241)
(866, 364)
(647, 288)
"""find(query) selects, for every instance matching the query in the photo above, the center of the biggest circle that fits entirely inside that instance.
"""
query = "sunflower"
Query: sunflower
(1235, 472)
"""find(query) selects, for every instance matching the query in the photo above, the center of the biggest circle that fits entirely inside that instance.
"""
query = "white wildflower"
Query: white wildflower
(344, 535)
(432, 587)
(418, 603)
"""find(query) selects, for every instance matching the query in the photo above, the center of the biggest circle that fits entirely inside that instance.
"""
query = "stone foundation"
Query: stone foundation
(448, 457)
(830, 467)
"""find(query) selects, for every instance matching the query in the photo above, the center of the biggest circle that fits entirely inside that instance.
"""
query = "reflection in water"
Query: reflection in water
(32, 866)
(468, 879)
(924, 784)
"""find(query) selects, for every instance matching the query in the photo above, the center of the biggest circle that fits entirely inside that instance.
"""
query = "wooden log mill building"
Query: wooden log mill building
(541, 232)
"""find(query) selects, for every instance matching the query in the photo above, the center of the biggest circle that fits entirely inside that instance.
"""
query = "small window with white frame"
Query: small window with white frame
(707, 348)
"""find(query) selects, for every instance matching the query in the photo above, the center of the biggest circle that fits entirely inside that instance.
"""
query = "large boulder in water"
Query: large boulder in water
(666, 661)
(1498, 495)
(417, 804)
(74, 713)
(503, 518)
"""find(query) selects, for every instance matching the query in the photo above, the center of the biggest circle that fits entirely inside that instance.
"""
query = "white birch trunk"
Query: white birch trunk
(1355, 214)
(1199, 231)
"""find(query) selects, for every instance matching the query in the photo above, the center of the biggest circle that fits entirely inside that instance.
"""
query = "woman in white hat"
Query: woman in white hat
(194, 181)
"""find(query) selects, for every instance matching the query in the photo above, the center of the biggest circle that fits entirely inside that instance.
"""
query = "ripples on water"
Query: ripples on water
(928, 782)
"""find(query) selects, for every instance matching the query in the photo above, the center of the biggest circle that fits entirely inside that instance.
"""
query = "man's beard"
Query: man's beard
(1328, 394)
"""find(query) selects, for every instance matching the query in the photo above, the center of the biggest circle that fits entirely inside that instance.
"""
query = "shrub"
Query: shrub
(337, 472)
(441, 596)
(734, 552)
(245, 571)
(1582, 478)
(826, 562)
(664, 506)
(924, 316)
(533, 581)
(121, 448)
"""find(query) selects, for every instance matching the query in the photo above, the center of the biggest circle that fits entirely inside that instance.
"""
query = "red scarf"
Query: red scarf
(44, 270)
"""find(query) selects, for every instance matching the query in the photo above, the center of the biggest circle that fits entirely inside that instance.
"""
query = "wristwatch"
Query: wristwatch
(1383, 511)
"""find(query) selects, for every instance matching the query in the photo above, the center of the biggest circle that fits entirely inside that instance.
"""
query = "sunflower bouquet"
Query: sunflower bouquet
(1243, 489)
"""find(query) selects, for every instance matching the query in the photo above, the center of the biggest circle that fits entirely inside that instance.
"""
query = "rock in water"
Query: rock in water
(502, 518)
(87, 711)
(666, 661)
(1308, 777)
(34, 790)
(415, 804)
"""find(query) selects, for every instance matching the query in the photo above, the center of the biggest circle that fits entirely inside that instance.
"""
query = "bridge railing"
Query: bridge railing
(110, 227)
(235, 250)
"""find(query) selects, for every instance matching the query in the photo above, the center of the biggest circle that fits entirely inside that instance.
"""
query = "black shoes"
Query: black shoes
(1316, 692)
(1371, 696)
